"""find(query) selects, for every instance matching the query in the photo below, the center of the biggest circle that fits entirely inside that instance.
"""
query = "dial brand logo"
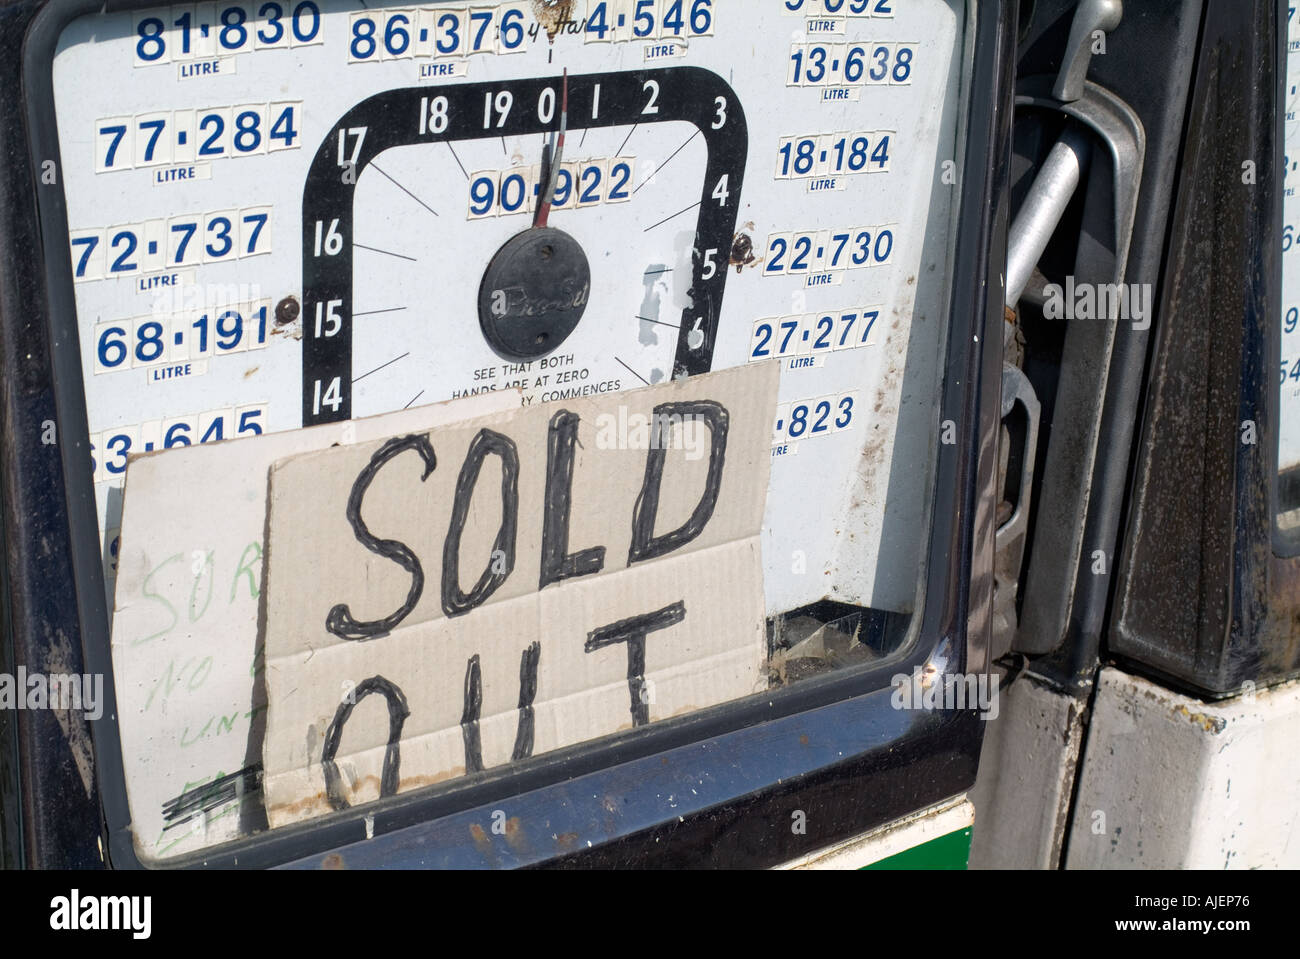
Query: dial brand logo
(76, 912)
(515, 301)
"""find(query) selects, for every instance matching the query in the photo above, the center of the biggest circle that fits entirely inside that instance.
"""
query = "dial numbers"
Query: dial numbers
(473, 111)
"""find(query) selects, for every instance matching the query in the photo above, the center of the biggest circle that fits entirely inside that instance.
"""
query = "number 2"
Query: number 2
(210, 146)
(120, 265)
(652, 105)
(776, 251)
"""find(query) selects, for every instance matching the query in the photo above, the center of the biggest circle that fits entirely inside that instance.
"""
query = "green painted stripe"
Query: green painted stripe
(944, 852)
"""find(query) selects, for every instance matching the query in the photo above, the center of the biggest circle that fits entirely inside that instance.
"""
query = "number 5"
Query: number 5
(327, 316)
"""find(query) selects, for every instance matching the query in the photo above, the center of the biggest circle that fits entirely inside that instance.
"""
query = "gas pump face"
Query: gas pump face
(263, 217)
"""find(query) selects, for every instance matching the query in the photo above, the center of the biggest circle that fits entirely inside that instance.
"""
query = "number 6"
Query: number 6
(695, 339)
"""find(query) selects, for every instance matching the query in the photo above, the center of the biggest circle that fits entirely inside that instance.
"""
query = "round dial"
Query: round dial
(633, 285)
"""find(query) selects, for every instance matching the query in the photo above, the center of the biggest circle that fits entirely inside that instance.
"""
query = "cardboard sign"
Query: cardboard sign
(450, 600)
(185, 627)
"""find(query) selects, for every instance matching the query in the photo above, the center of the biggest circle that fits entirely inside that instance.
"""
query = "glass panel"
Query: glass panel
(306, 214)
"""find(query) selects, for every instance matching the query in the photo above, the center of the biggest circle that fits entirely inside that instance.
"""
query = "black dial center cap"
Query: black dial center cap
(534, 292)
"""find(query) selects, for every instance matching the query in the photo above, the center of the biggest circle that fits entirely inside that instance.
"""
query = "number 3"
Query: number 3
(721, 121)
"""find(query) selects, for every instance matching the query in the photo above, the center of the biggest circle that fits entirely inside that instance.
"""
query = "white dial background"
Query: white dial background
(417, 318)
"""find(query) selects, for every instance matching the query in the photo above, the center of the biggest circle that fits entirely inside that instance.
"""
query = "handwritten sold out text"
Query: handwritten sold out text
(558, 564)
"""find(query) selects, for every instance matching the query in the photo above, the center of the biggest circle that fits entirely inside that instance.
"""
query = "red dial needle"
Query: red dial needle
(551, 159)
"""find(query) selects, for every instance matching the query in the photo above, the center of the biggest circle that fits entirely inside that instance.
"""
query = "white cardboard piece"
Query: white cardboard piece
(185, 626)
(385, 672)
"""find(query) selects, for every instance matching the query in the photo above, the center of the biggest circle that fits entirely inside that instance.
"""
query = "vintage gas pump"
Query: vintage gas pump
(504, 433)
(586, 433)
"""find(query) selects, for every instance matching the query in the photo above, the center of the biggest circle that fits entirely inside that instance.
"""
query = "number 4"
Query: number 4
(283, 128)
(720, 191)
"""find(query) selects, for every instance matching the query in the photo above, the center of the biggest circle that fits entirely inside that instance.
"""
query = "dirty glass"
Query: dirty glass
(310, 241)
